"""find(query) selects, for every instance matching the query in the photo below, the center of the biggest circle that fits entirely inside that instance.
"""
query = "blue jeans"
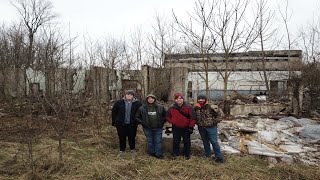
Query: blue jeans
(154, 140)
(179, 133)
(210, 135)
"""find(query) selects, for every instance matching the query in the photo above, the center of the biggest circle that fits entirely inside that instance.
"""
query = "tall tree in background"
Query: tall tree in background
(235, 33)
(34, 14)
(265, 33)
(163, 40)
(12, 53)
(310, 43)
(198, 33)
(137, 48)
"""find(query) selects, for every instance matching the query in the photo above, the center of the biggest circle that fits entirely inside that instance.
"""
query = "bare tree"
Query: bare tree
(59, 106)
(34, 14)
(12, 54)
(234, 33)
(310, 37)
(265, 33)
(286, 18)
(198, 33)
(137, 48)
(310, 43)
(163, 40)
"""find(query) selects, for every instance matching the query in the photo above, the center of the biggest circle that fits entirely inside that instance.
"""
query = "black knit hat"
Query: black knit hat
(202, 96)
(131, 92)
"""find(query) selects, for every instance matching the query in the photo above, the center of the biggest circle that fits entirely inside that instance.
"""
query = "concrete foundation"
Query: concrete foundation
(245, 109)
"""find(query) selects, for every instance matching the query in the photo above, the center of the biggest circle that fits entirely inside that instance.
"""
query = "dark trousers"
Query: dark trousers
(124, 132)
(179, 133)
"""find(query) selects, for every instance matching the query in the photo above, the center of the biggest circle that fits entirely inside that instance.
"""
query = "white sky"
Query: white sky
(101, 17)
(118, 17)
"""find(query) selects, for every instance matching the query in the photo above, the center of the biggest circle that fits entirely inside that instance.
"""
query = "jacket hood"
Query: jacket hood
(151, 95)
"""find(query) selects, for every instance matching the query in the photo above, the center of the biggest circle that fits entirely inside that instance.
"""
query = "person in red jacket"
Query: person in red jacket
(182, 117)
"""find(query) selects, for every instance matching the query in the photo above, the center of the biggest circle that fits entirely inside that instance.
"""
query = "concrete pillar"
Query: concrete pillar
(98, 83)
(179, 81)
(146, 80)
(301, 87)
(13, 82)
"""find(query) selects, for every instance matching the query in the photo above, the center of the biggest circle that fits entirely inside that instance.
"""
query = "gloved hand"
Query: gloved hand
(190, 130)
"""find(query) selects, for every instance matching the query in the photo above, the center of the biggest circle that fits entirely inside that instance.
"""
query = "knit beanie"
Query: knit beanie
(202, 96)
(131, 92)
(177, 95)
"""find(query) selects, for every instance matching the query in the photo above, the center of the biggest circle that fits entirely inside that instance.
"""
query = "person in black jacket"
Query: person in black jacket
(152, 117)
(123, 118)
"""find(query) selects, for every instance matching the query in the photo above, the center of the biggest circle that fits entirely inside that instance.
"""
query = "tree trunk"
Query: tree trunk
(60, 147)
(30, 151)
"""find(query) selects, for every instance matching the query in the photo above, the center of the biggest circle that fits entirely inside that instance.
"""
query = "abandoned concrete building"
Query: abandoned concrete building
(182, 73)
(245, 74)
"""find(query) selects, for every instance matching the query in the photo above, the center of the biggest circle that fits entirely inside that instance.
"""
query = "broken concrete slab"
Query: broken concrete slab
(282, 139)
(247, 130)
(271, 137)
(292, 148)
(311, 132)
(240, 109)
(256, 148)
(228, 149)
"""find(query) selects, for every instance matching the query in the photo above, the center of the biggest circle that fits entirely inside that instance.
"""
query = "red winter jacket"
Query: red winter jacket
(177, 119)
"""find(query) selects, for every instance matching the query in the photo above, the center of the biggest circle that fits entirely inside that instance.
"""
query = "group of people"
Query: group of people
(128, 113)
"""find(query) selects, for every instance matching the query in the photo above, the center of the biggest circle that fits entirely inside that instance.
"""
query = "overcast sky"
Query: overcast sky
(119, 17)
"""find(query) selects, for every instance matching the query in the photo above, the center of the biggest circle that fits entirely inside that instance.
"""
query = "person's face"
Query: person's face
(201, 101)
(129, 97)
(150, 100)
(179, 101)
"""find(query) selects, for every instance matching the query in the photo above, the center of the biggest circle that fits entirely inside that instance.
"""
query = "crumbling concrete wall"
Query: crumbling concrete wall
(97, 83)
(178, 81)
(280, 61)
(155, 81)
(35, 78)
(245, 109)
(12, 82)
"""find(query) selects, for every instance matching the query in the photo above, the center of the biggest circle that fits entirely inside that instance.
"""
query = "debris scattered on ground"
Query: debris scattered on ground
(288, 139)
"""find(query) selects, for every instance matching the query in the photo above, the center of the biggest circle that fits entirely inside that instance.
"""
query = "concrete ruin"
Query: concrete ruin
(282, 62)
(108, 84)
(98, 82)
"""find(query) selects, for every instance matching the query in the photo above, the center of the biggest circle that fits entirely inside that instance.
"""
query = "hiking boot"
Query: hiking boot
(133, 152)
(174, 157)
(120, 155)
(159, 157)
(219, 160)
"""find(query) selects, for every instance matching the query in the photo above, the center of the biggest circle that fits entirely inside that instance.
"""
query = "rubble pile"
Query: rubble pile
(285, 140)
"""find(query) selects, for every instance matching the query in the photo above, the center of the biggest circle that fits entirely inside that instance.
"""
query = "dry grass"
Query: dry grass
(88, 155)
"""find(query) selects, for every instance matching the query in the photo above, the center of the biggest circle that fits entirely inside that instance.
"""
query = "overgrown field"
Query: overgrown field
(89, 152)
